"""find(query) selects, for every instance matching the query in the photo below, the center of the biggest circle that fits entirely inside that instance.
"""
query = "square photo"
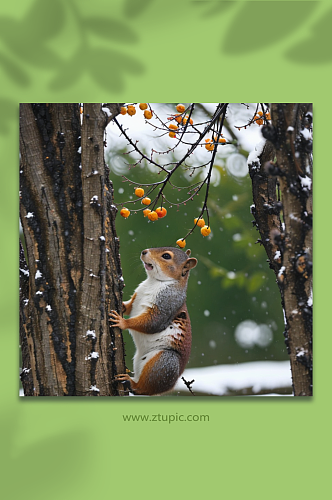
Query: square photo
(166, 249)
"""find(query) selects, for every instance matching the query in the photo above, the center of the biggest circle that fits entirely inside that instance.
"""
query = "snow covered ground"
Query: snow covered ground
(221, 380)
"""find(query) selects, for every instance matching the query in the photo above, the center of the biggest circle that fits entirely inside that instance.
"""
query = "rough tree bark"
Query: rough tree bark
(282, 194)
(73, 275)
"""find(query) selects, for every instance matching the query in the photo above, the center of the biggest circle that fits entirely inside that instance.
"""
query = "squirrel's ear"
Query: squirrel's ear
(189, 264)
(188, 252)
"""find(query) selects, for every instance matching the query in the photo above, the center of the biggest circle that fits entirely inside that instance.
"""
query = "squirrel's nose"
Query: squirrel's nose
(144, 252)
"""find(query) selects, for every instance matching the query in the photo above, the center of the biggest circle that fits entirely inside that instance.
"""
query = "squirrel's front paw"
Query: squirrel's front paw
(122, 377)
(117, 320)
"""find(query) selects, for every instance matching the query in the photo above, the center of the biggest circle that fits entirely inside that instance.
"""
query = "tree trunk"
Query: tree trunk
(75, 275)
(282, 193)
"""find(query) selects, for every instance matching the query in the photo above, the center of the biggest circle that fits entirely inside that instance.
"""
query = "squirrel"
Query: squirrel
(158, 321)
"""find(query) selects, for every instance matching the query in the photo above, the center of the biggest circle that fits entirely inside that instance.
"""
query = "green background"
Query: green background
(164, 51)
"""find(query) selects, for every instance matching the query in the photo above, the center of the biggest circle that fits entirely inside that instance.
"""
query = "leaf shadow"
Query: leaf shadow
(246, 33)
(107, 67)
(26, 39)
(213, 8)
(110, 29)
(27, 44)
(62, 455)
(316, 48)
(134, 8)
(8, 108)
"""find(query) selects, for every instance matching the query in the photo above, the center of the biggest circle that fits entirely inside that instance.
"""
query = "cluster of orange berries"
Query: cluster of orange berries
(182, 120)
(259, 117)
(152, 215)
(205, 231)
(131, 110)
(210, 145)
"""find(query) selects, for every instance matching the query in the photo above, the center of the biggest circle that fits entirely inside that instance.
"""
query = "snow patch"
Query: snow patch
(306, 134)
(107, 111)
(281, 271)
(305, 183)
(277, 255)
(91, 334)
(219, 380)
(253, 155)
(92, 355)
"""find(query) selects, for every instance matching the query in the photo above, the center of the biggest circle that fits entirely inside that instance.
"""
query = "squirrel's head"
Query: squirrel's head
(168, 264)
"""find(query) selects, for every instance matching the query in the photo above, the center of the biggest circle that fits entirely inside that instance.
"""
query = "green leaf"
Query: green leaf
(227, 282)
(254, 282)
(240, 279)
(217, 272)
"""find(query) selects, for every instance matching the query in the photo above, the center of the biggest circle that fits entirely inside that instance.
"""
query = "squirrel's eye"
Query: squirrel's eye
(166, 256)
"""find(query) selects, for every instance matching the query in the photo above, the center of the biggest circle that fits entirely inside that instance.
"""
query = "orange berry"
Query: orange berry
(131, 110)
(143, 106)
(178, 118)
(147, 114)
(205, 230)
(123, 110)
(181, 243)
(161, 211)
(207, 140)
(268, 116)
(222, 140)
(146, 201)
(172, 134)
(139, 192)
(153, 216)
(184, 121)
(172, 126)
(125, 212)
(146, 212)
(259, 120)
(260, 113)
(209, 146)
(180, 108)
(199, 222)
